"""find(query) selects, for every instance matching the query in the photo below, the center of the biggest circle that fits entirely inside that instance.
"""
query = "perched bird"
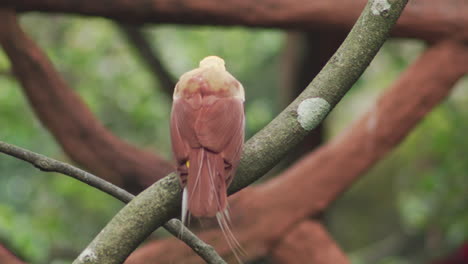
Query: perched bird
(207, 134)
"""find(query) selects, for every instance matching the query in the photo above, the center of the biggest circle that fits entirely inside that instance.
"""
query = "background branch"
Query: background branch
(81, 135)
(161, 201)
(423, 19)
(143, 47)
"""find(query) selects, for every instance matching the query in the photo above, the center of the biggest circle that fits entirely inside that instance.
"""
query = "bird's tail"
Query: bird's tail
(205, 194)
(224, 223)
(206, 185)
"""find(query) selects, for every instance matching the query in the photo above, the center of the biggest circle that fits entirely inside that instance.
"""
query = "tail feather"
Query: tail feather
(206, 184)
(224, 224)
(184, 205)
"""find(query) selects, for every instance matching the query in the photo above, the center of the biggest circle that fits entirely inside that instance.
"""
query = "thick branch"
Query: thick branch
(67, 117)
(324, 174)
(423, 19)
(44, 163)
(161, 201)
(308, 242)
(138, 39)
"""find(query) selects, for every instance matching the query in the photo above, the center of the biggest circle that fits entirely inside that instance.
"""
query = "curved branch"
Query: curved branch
(423, 19)
(44, 163)
(325, 173)
(161, 201)
(62, 111)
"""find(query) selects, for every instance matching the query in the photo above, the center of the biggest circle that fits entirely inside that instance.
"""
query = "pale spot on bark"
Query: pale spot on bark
(87, 256)
(380, 7)
(311, 112)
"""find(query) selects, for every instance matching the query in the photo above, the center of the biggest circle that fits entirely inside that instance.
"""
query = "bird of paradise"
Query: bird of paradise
(207, 134)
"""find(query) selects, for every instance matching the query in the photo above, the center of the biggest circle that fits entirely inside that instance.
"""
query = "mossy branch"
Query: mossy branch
(160, 202)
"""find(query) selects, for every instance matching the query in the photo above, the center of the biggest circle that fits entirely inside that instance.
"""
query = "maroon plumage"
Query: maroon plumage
(207, 133)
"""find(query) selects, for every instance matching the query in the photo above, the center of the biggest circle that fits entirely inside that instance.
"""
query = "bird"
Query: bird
(207, 136)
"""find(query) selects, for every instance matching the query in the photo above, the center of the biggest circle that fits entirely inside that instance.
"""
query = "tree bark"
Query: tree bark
(423, 19)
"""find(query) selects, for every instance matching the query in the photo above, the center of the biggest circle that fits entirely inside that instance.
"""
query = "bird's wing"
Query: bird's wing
(216, 124)
(220, 129)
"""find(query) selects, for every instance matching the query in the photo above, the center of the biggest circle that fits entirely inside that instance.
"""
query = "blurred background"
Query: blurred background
(410, 208)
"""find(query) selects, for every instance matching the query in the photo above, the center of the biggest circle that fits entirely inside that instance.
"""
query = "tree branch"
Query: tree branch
(138, 39)
(44, 163)
(161, 201)
(327, 172)
(423, 19)
(81, 135)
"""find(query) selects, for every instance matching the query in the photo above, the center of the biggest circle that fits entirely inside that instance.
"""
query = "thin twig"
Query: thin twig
(204, 250)
(51, 165)
(174, 226)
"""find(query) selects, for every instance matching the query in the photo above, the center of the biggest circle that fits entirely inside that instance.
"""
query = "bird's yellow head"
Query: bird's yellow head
(212, 61)
(210, 78)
